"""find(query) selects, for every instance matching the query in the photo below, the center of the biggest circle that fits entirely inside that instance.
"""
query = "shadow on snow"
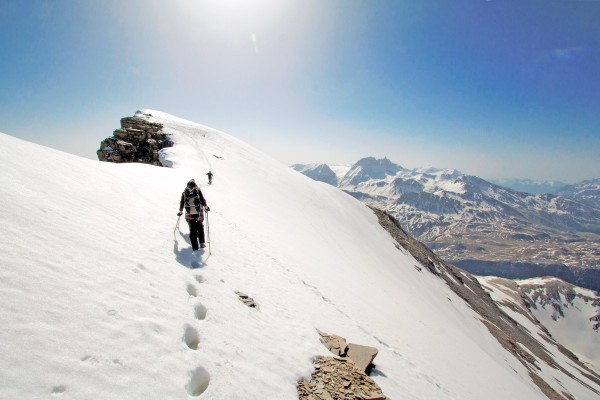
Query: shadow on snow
(185, 256)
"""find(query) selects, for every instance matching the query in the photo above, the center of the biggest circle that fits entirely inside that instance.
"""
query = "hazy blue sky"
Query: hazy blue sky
(499, 88)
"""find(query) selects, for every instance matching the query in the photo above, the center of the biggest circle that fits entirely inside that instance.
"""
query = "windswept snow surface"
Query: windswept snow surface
(101, 299)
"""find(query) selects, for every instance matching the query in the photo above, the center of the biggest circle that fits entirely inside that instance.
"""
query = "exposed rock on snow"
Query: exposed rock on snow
(247, 300)
(362, 356)
(344, 376)
(339, 379)
(334, 343)
(137, 140)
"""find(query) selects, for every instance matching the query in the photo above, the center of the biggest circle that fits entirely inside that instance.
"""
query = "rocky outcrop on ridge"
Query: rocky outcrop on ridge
(137, 140)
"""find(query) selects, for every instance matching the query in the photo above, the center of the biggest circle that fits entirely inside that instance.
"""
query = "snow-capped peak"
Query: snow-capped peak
(370, 168)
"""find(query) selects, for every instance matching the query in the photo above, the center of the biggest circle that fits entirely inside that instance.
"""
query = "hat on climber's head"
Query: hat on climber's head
(191, 184)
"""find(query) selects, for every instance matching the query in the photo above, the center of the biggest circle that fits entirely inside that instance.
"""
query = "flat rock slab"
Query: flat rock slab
(363, 356)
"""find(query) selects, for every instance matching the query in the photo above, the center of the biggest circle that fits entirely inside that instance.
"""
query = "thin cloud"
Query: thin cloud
(568, 53)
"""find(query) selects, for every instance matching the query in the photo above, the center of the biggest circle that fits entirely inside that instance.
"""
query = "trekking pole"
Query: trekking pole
(208, 232)
(176, 226)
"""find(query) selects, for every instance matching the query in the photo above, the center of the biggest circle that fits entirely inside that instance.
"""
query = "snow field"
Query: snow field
(101, 298)
(335, 247)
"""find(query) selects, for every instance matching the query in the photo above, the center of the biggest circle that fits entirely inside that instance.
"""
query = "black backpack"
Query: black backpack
(192, 199)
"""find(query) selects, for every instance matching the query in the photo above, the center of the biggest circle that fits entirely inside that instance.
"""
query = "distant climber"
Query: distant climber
(195, 204)
(210, 175)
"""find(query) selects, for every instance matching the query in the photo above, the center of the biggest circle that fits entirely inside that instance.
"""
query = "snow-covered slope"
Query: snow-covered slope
(101, 298)
(569, 313)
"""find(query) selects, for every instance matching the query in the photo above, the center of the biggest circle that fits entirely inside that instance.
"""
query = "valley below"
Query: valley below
(574, 258)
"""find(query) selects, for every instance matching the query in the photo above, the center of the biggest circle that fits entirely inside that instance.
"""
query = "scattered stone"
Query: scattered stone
(247, 300)
(345, 382)
(138, 140)
(343, 376)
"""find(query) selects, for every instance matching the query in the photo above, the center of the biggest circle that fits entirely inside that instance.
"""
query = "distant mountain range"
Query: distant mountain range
(466, 219)
(587, 192)
(529, 185)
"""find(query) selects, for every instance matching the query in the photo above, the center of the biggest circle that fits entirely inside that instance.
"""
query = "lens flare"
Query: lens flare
(254, 43)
